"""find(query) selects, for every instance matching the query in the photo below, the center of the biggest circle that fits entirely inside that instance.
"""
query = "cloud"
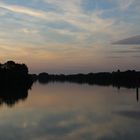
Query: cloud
(71, 13)
(20, 9)
(125, 4)
(135, 40)
(71, 6)
(63, 28)
(28, 31)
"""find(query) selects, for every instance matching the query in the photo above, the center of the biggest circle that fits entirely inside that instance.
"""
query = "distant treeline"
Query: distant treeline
(16, 76)
(129, 79)
(15, 81)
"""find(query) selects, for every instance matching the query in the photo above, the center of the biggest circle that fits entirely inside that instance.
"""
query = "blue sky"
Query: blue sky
(69, 36)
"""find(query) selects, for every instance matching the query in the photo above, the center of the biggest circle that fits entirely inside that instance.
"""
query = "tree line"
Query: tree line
(129, 79)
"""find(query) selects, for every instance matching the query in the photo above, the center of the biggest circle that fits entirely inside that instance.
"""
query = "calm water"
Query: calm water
(64, 111)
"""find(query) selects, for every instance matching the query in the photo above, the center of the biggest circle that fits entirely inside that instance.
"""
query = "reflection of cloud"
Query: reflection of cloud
(114, 57)
(136, 56)
(125, 51)
(82, 121)
(130, 114)
(129, 41)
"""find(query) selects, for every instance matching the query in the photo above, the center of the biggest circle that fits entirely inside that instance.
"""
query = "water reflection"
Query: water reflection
(131, 113)
(101, 84)
(137, 94)
(66, 111)
(11, 95)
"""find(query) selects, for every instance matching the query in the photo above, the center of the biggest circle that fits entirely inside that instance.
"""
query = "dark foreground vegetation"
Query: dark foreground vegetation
(14, 82)
(128, 79)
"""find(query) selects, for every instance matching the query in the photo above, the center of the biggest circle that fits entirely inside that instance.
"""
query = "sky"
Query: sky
(71, 36)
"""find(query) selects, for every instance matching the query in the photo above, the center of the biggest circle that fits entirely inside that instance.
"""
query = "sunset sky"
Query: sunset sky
(70, 36)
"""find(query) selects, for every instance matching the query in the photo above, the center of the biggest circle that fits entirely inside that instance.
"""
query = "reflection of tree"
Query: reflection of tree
(12, 96)
(14, 82)
(118, 79)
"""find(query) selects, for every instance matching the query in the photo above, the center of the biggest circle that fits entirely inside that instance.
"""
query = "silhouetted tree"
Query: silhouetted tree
(14, 82)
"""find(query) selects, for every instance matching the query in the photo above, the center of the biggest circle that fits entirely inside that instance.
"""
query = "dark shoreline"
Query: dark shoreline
(15, 81)
(128, 79)
(16, 76)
